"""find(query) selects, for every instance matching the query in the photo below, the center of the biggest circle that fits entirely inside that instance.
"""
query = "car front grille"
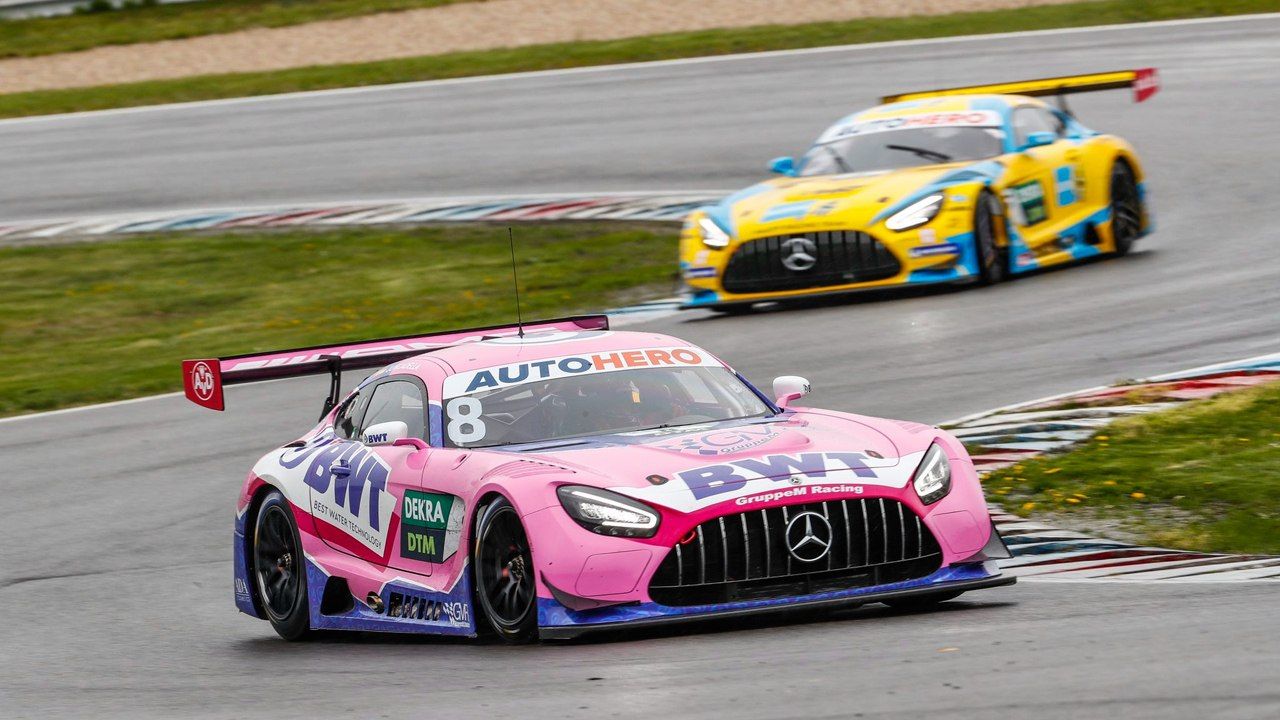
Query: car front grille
(840, 257)
(746, 556)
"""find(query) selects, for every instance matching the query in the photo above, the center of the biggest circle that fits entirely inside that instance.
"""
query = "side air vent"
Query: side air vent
(337, 598)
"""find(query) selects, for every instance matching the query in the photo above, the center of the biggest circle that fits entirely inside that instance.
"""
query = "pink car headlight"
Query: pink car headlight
(608, 513)
(932, 480)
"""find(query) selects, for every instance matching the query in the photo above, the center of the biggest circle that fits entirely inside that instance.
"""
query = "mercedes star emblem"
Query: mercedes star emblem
(808, 537)
(801, 254)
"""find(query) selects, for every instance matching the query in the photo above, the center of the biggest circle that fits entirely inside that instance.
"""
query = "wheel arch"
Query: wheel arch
(1125, 155)
(484, 499)
(258, 494)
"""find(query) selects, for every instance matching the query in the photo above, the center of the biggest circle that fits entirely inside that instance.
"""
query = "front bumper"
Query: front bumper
(923, 257)
(556, 622)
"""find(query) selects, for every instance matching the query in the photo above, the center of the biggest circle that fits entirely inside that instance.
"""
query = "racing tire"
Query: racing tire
(993, 260)
(502, 564)
(278, 569)
(1126, 208)
(732, 310)
(923, 602)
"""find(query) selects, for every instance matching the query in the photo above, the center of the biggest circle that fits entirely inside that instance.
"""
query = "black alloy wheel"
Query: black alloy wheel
(993, 261)
(503, 566)
(278, 570)
(1126, 208)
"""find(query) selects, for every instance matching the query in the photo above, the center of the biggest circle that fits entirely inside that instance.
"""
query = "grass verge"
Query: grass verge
(103, 321)
(579, 54)
(27, 37)
(1204, 476)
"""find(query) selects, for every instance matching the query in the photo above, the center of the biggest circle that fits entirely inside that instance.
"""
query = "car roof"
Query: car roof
(980, 109)
(548, 344)
(945, 103)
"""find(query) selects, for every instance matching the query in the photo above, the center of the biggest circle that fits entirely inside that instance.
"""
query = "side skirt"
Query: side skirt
(406, 607)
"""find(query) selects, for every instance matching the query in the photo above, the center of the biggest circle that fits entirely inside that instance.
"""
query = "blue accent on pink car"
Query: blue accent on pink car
(553, 614)
(240, 572)
(407, 608)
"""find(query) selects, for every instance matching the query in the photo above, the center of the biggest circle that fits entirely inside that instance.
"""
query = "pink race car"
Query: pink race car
(559, 478)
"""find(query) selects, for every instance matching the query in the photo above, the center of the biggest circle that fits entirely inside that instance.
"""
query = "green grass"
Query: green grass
(67, 33)
(1203, 476)
(102, 321)
(578, 54)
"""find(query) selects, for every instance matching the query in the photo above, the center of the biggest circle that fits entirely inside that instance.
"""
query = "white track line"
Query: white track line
(82, 408)
(1098, 388)
(861, 47)
(366, 205)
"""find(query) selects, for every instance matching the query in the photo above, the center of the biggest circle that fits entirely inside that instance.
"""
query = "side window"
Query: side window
(397, 400)
(344, 425)
(1027, 120)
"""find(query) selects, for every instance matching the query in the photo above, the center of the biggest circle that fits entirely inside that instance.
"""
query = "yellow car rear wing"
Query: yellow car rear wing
(1144, 81)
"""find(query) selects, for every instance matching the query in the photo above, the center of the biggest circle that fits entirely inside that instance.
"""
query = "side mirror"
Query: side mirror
(386, 433)
(789, 388)
(1039, 139)
(785, 165)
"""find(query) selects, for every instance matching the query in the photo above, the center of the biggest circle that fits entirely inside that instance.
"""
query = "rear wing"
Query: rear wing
(204, 379)
(1144, 81)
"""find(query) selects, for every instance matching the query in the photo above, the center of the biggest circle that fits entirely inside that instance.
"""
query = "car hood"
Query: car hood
(696, 466)
(829, 202)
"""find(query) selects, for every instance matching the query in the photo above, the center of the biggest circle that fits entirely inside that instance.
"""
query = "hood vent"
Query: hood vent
(525, 468)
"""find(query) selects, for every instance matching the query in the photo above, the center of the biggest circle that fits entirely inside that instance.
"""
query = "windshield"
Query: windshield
(575, 399)
(912, 147)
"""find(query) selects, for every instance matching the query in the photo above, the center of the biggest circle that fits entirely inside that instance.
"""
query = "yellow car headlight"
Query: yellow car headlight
(916, 214)
(711, 234)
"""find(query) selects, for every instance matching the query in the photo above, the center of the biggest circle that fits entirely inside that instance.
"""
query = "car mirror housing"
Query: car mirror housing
(784, 165)
(789, 388)
(1039, 139)
(386, 433)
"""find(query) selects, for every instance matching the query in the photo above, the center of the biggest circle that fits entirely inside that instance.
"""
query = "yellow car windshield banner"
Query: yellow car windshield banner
(1145, 82)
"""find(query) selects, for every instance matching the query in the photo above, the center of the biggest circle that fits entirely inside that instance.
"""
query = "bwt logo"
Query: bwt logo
(202, 381)
(349, 468)
(712, 480)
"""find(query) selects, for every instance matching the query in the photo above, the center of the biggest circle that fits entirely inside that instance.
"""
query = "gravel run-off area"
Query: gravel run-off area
(450, 28)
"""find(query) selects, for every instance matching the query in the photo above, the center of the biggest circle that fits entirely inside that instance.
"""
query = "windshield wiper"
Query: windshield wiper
(925, 153)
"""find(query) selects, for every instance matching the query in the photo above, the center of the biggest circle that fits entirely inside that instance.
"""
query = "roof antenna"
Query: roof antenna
(515, 280)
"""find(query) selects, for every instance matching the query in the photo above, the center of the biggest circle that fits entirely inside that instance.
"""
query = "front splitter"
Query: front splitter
(568, 632)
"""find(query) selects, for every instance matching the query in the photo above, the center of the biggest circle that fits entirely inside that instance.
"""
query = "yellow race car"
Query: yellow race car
(959, 185)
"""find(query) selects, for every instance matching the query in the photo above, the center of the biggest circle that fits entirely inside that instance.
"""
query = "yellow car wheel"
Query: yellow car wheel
(992, 263)
(1126, 208)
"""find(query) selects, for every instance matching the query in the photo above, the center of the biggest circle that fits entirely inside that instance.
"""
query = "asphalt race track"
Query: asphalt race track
(116, 574)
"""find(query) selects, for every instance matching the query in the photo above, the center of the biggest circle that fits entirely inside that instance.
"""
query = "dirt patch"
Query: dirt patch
(433, 31)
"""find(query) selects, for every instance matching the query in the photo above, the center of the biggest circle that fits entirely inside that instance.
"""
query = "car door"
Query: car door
(1042, 193)
(429, 519)
(358, 506)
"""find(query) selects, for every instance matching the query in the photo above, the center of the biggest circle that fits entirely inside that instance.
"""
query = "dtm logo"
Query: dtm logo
(349, 484)
(712, 480)
(202, 381)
